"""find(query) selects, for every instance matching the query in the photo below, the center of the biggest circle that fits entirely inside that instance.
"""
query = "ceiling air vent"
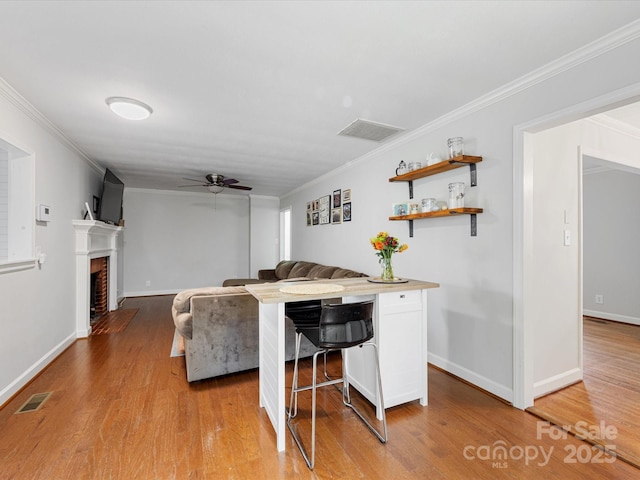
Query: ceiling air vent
(369, 130)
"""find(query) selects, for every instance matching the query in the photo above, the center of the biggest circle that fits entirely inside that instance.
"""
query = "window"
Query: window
(16, 207)
(285, 234)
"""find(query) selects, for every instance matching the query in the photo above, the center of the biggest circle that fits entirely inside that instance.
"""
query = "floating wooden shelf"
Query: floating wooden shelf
(439, 213)
(440, 167)
(436, 168)
(472, 212)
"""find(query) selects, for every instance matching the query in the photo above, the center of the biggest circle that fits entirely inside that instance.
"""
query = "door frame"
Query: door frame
(523, 203)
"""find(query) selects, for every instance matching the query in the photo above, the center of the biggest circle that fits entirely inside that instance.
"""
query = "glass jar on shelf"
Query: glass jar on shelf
(455, 147)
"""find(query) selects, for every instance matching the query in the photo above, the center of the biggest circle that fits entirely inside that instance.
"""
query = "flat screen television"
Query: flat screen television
(110, 210)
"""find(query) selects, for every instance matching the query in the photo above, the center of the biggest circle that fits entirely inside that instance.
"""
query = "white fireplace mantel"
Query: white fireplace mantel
(94, 240)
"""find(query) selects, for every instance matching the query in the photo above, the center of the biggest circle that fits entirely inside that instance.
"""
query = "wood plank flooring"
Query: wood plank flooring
(122, 409)
(609, 394)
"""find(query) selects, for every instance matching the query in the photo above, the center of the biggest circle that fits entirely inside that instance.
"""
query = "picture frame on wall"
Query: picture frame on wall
(315, 218)
(337, 198)
(346, 195)
(346, 212)
(324, 210)
(336, 215)
(309, 218)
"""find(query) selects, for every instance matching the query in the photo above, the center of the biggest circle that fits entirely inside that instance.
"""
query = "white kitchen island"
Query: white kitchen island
(400, 328)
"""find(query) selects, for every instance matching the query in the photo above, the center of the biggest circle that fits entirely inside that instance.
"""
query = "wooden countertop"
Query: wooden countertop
(270, 292)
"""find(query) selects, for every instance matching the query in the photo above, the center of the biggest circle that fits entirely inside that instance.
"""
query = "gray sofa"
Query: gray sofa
(220, 324)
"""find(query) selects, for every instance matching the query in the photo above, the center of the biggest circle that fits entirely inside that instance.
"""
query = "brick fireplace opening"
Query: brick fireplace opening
(99, 284)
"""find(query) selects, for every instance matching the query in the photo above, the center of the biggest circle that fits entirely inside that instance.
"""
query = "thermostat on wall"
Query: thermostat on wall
(42, 213)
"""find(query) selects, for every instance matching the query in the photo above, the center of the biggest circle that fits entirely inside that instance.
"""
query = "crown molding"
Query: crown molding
(12, 95)
(615, 39)
(605, 121)
(595, 170)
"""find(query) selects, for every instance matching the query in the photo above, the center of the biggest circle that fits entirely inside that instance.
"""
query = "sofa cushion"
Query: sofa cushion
(283, 268)
(345, 273)
(321, 271)
(301, 269)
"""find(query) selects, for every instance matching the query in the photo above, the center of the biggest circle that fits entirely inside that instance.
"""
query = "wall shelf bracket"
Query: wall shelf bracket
(473, 174)
(410, 228)
(474, 225)
(410, 188)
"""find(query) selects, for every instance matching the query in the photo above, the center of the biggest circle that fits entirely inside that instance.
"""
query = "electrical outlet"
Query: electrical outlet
(599, 299)
(148, 283)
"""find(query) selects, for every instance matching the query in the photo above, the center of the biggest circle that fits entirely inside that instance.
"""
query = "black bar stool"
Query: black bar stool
(330, 328)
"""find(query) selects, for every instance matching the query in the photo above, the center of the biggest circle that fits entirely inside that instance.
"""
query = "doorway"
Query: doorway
(529, 243)
(606, 402)
(285, 234)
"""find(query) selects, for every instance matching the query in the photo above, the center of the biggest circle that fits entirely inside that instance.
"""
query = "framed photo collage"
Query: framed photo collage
(328, 209)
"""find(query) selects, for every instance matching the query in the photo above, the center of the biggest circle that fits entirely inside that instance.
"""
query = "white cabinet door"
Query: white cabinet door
(400, 332)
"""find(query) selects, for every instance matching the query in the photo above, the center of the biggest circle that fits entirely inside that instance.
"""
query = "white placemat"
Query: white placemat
(312, 288)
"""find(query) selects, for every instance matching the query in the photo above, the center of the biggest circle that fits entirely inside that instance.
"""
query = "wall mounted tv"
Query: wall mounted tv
(110, 210)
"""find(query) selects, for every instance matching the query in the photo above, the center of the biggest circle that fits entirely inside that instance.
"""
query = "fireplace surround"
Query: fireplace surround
(94, 240)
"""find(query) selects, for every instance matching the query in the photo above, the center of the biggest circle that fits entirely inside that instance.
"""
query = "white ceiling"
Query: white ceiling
(258, 90)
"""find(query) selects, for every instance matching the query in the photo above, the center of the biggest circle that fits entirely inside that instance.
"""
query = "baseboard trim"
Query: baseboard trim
(552, 384)
(473, 378)
(23, 380)
(612, 316)
(151, 293)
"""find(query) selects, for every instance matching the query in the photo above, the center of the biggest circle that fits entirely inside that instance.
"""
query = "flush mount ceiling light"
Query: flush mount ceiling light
(129, 108)
(215, 188)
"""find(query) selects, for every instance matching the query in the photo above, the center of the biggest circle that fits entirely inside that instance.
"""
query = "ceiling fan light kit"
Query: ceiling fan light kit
(216, 183)
(129, 108)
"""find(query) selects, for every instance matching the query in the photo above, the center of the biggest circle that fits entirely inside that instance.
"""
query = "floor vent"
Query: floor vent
(34, 403)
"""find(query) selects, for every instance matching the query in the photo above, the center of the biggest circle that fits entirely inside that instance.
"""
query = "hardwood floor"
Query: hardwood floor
(609, 394)
(121, 408)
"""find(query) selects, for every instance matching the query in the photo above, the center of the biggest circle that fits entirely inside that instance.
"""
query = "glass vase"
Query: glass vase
(387, 269)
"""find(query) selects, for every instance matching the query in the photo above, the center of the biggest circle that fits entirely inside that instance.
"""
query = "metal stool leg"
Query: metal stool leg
(294, 391)
(293, 401)
(346, 399)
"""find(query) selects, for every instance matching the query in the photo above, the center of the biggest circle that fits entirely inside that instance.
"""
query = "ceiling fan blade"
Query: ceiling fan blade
(239, 187)
(228, 181)
(192, 179)
(195, 185)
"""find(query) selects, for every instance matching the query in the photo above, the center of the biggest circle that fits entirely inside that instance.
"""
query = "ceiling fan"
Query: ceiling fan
(216, 183)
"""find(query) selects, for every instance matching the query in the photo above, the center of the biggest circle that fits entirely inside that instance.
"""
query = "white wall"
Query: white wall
(471, 315)
(37, 318)
(179, 240)
(4, 207)
(611, 239)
